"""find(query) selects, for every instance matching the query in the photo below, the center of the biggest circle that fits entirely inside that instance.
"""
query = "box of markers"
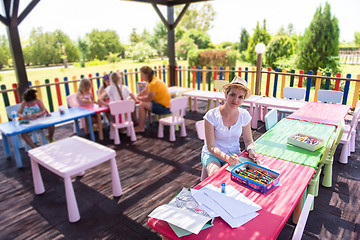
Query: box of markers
(305, 141)
(254, 176)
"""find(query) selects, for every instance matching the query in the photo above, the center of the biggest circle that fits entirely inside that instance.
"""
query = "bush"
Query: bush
(141, 52)
(210, 58)
(231, 57)
(193, 57)
(183, 46)
(281, 46)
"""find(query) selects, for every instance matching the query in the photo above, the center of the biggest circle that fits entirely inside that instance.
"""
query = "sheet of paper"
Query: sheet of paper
(204, 199)
(184, 219)
(182, 232)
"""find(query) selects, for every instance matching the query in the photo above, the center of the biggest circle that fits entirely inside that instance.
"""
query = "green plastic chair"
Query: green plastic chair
(327, 160)
(327, 181)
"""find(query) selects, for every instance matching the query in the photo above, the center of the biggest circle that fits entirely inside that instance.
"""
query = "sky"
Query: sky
(78, 17)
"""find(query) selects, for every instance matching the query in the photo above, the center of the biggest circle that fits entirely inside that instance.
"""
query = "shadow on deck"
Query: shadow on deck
(151, 171)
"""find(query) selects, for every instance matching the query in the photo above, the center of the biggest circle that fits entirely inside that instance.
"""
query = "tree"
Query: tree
(101, 43)
(244, 40)
(319, 46)
(43, 48)
(201, 39)
(158, 40)
(260, 36)
(197, 16)
(357, 39)
(69, 50)
(183, 46)
(83, 46)
(134, 37)
(5, 54)
(279, 47)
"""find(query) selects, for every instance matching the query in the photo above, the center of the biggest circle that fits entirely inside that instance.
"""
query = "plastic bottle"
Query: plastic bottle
(14, 118)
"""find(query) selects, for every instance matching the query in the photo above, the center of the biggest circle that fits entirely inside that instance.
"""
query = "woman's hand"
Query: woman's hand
(233, 160)
(252, 155)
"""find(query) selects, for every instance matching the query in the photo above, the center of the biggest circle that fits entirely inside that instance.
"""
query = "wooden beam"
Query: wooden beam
(4, 20)
(7, 8)
(183, 11)
(14, 13)
(168, 2)
(27, 10)
(161, 16)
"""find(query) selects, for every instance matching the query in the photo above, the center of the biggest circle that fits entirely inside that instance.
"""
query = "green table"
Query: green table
(274, 142)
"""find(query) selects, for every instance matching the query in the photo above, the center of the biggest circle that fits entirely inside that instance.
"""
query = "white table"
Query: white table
(218, 96)
(263, 103)
(69, 157)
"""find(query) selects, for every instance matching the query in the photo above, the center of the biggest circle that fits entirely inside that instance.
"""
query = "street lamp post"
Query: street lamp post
(259, 49)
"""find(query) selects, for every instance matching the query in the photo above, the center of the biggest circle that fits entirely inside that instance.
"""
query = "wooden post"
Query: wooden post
(317, 86)
(258, 75)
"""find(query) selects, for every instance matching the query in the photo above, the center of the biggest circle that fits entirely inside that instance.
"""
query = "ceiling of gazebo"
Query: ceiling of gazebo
(168, 2)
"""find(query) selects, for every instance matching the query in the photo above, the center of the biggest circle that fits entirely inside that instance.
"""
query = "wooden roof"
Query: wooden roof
(168, 2)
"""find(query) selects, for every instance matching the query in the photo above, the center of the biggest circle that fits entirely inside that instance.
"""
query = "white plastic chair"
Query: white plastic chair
(330, 96)
(73, 102)
(348, 138)
(177, 108)
(123, 108)
(271, 118)
(352, 127)
(300, 226)
(200, 129)
(294, 93)
(16, 108)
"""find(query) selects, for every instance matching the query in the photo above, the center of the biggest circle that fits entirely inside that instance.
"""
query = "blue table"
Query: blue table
(9, 129)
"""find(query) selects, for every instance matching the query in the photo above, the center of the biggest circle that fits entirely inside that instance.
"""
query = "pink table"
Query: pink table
(98, 109)
(277, 204)
(324, 113)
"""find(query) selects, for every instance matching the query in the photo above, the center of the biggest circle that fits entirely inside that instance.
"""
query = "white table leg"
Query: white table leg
(195, 104)
(116, 186)
(255, 118)
(37, 179)
(72, 206)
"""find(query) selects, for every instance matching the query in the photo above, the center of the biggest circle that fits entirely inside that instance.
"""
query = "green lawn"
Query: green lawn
(51, 73)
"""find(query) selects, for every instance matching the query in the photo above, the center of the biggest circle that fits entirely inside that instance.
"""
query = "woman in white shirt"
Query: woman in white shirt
(224, 126)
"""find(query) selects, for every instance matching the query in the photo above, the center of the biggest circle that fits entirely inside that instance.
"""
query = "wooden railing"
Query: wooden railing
(54, 93)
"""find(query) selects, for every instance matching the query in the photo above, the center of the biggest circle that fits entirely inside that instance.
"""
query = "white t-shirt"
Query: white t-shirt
(114, 95)
(227, 139)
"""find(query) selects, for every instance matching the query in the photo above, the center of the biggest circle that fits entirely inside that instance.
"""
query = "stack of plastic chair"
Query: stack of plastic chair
(330, 96)
(327, 160)
(200, 129)
(123, 109)
(348, 138)
(352, 127)
(271, 118)
(177, 109)
(34, 133)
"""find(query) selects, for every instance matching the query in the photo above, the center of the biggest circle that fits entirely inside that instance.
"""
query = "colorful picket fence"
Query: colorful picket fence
(54, 93)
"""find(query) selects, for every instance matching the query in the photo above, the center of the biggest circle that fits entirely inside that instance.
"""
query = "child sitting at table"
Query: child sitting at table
(118, 92)
(31, 108)
(84, 95)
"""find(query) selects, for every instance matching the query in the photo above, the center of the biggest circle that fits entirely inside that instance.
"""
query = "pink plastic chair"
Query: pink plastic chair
(351, 128)
(73, 102)
(200, 129)
(123, 108)
(177, 108)
(348, 138)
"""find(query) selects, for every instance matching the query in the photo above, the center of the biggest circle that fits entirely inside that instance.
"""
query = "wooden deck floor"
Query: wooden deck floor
(151, 171)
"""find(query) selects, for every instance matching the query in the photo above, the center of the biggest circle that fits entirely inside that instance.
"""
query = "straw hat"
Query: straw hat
(237, 82)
